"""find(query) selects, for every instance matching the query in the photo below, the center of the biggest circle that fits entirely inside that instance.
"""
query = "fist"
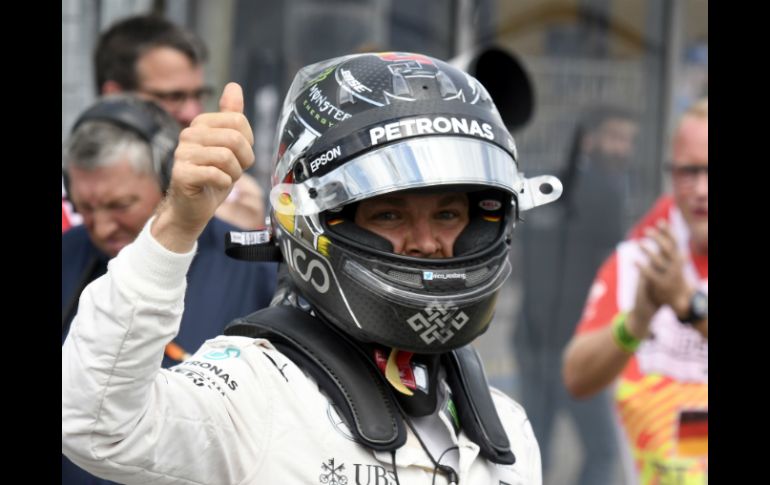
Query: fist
(211, 156)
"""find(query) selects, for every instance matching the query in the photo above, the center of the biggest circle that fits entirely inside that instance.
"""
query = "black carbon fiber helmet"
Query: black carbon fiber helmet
(363, 125)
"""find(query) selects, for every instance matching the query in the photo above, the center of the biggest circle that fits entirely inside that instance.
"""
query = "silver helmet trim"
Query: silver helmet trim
(412, 163)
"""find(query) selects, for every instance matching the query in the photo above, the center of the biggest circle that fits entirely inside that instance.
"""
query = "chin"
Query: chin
(111, 250)
(700, 238)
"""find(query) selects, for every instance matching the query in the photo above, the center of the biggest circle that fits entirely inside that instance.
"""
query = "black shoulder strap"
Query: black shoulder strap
(360, 392)
(352, 382)
(476, 410)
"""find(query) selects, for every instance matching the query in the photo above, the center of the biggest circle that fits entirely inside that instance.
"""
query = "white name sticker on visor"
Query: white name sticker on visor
(431, 275)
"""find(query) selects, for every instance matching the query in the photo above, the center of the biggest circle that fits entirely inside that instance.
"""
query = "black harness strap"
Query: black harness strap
(478, 415)
(341, 370)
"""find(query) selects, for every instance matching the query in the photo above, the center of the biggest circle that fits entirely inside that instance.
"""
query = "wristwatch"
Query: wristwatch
(699, 308)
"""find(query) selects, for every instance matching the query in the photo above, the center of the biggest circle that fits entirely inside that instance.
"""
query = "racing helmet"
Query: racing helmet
(363, 125)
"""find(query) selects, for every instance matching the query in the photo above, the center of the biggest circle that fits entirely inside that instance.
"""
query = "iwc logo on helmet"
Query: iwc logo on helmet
(437, 322)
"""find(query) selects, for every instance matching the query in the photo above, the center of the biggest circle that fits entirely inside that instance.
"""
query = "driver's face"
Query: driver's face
(419, 225)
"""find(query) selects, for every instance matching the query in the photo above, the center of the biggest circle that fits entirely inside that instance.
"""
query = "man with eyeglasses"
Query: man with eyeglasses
(644, 328)
(156, 59)
(162, 62)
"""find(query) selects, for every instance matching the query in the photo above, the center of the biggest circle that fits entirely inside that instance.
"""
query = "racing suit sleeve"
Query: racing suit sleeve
(524, 444)
(123, 418)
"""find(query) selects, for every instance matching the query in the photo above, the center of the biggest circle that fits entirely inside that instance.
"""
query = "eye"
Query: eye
(120, 205)
(84, 209)
(177, 96)
(448, 215)
(385, 216)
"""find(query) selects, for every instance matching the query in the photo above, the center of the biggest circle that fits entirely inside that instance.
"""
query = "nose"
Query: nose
(702, 184)
(188, 111)
(103, 225)
(620, 146)
(421, 241)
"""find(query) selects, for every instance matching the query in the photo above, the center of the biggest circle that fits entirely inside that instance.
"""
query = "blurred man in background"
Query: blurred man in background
(156, 59)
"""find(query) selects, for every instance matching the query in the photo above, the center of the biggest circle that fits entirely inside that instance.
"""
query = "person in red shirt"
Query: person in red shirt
(644, 328)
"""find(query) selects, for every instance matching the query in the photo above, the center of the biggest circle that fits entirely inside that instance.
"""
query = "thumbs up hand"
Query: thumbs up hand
(212, 154)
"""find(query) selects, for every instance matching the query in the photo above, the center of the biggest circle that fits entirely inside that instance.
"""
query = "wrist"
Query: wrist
(638, 321)
(172, 235)
(681, 304)
(697, 308)
(621, 334)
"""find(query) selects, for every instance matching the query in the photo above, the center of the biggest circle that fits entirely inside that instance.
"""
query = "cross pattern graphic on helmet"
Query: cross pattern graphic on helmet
(437, 322)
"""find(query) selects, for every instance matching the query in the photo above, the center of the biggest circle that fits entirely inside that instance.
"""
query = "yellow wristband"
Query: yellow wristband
(622, 336)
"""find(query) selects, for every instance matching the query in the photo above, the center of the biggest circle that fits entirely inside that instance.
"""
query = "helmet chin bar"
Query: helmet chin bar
(426, 307)
(379, 285)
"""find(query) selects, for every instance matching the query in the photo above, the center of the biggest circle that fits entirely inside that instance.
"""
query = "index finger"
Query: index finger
(663, 235)
(232, 98)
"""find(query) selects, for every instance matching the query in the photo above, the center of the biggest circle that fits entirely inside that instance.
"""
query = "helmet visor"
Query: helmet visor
(413, 163)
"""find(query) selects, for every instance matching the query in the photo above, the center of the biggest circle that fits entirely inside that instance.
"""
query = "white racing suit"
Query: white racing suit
(237, 412)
